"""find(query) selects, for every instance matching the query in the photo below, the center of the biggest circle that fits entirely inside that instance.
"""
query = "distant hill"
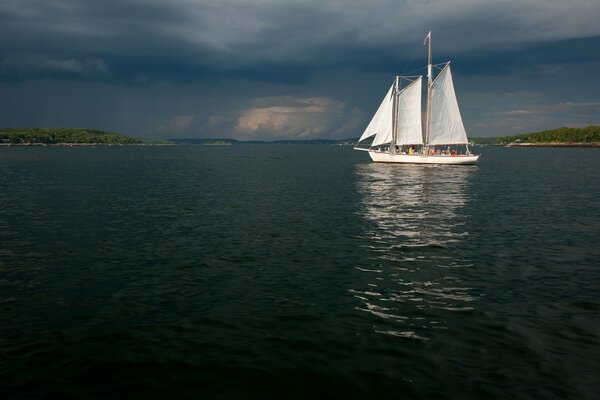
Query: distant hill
(217, 142)
(209, 142)
(24, 136)
(588, 135)
(63, 135)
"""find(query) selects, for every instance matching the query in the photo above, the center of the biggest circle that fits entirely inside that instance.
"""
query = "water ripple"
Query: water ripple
(413, 235)
(297, 272)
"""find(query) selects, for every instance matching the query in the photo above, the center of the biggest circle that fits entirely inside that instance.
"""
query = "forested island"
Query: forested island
(80, 136)
(53, 136)
(588, 136)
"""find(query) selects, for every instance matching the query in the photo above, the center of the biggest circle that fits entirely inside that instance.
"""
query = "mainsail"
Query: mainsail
(381, 124)
(409, 114)
(445, 126)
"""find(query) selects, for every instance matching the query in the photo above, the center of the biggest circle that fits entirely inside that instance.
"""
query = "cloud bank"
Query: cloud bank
(278, 68)
(296, 117)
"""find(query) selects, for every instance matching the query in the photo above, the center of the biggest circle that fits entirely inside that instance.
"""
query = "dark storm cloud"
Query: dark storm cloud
(137, 41)
(132, 40)
(337, 53)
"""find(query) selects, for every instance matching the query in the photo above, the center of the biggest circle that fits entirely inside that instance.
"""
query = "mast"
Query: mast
(429, 80)
(395, 117)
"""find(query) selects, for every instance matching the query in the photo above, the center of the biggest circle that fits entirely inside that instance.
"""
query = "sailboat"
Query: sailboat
(397, 125)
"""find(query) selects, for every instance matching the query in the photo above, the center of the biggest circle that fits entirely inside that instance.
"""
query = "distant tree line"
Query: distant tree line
(590, 134)
(63, 135)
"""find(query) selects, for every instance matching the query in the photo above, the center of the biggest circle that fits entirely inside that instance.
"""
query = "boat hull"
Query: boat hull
(383, 157)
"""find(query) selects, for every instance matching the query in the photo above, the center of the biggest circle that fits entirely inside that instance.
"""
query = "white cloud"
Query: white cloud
(288, 117)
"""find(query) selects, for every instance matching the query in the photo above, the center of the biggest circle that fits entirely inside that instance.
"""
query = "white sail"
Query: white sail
(381, 124)
(402, 119)
(445, 126)
(385, 134)
(409, 114)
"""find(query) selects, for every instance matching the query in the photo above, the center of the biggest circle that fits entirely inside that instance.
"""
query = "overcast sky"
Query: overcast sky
(265, 69)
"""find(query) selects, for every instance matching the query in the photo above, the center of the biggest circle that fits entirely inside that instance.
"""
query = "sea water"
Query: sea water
(298, 271)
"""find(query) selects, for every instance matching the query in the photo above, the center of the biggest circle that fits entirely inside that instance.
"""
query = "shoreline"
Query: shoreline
(82, 144)
(582, 145)
(593, 144)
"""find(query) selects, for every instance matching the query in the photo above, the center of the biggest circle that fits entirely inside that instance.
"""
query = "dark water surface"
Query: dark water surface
(298, 272)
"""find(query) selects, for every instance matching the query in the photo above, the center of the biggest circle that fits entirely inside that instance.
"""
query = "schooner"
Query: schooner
(397, 125)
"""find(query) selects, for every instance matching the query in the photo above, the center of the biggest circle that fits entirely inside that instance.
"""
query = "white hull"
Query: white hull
(379, 156)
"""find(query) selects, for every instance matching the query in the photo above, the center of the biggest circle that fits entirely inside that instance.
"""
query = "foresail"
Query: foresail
(409, 114)
(381, 124)
(445, 126)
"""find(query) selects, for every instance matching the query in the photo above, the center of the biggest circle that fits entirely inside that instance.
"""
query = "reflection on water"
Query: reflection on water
(413, 233)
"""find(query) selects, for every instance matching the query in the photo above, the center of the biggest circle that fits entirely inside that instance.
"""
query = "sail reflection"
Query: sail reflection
(413, 231)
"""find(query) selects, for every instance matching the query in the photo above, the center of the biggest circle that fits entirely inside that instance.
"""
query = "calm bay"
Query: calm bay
(298, 271)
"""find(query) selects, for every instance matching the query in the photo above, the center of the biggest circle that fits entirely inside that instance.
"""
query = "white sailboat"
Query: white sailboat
(397, 123)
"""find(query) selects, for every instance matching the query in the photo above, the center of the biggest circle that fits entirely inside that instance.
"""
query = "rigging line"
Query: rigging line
(409, 64)
(410, 78)
(416, 70)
